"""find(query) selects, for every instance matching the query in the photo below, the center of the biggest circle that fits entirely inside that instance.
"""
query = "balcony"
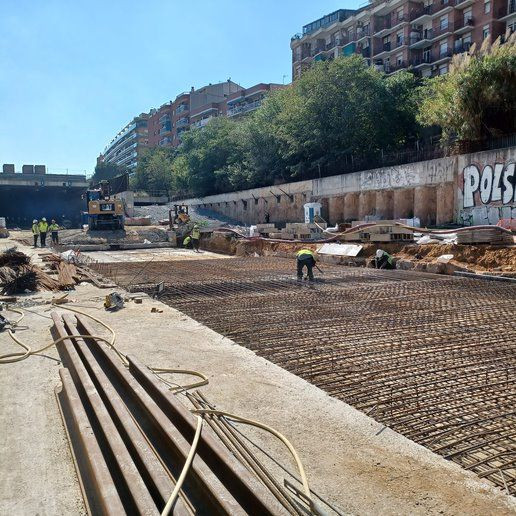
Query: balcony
(423, 60)
(201, 123)
(443, 7)
(422, 15)
(464, 25)
(165, 130)
(461, 47)
(244, 108)
(181, 109)
(392, 68)
(421, 40)
(363, 32)
(443, 56)
(400, 42)
(366, 52)
(462, 4)
(318, 50)
(182, 122)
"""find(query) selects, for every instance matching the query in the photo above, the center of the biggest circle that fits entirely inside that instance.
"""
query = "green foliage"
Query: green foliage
(336, 109)
(477, 98)
(155, 170)
(105, 171)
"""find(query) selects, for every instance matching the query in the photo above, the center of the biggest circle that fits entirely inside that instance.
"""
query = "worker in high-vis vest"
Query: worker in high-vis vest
(43, 229)
(383, 260)
(54, 231)
(187, 242)
(35, 232)
(305, 258)
(196, 236)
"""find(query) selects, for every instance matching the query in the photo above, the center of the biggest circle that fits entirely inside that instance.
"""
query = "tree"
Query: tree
(477, 98)
(155, 170)
(106, 171)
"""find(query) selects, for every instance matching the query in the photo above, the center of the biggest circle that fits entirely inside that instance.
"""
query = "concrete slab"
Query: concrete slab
(144, 255)
(347, 459)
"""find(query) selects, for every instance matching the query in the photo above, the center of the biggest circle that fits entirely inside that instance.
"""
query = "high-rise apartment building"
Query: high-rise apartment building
(125, 148)
(191, 109)
(402, 34)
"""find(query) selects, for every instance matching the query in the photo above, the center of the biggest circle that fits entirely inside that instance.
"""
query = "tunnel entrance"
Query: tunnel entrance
(21, 204)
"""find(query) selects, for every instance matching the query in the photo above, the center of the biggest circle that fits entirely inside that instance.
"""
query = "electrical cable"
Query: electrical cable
(15, 357)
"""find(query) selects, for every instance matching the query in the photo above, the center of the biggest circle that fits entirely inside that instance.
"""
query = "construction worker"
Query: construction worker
(383, 260)
(187, 242)
(305, 258)
(43, 229)
(35, 232)
(196, 236)
(54, 228)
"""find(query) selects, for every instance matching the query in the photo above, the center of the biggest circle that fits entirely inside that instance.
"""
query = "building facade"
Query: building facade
(127, 146)
(403, 34)
(247, 100)
(189, 110)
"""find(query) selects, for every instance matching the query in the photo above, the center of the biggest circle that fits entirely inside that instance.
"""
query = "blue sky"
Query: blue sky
(73, 72)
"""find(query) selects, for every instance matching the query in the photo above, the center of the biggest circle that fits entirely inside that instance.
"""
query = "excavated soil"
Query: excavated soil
(477, 258)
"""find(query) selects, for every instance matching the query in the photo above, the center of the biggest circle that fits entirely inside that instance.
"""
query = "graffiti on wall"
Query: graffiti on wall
(488, 193)
(494, 184)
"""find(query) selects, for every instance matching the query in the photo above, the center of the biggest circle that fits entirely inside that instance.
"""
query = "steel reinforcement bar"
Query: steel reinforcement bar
(432, 357)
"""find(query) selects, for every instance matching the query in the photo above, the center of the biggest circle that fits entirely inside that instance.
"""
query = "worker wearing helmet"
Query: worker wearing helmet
(35, 232)
(383, 260)
(54, 231)
(187, 242)
(305, 258)
(196, 236)
(43, 228)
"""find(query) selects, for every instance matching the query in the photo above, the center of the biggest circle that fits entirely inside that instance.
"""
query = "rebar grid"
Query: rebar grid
(431, 357)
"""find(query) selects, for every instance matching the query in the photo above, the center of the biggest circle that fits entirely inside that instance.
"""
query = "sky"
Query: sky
(74, 72)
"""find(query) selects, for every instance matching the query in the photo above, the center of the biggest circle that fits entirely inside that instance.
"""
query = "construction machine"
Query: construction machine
(104, 211)
(179, 221)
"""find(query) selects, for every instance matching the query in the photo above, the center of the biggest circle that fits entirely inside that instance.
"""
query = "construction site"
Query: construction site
(337, 346)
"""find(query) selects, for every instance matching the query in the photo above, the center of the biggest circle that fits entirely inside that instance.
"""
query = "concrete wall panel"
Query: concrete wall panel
(403, 203)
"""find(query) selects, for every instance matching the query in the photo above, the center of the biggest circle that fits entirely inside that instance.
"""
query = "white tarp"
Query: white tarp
(340, 249)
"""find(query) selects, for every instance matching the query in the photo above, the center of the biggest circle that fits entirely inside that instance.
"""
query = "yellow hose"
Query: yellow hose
(185, 469)
(15, 357)
(274, 432)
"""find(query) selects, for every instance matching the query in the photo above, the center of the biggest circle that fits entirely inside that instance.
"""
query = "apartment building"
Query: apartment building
(191, 109)
(403, 34)
(125, 148)
(247, 100)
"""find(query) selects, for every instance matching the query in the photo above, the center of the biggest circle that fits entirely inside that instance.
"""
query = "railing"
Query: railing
(366, 52)
(460, 47)
(363, 32)
(201, 123)
(181, 109)
(386, 47)
(426, 10)
(400, 42)
(244, 108)
(445, 53)
(182, 122)
(318, 50)
(424, 59)
(465, 22)
(391, 68)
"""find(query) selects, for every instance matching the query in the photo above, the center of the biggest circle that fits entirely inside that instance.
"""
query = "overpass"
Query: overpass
(32, 194)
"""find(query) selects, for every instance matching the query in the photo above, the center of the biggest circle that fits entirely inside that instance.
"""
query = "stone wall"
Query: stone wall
(468, 189)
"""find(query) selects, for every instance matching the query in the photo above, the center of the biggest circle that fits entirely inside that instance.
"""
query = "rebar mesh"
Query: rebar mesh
(432, 357)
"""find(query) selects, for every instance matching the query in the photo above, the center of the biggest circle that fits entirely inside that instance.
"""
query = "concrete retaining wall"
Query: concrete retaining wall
(468, 189)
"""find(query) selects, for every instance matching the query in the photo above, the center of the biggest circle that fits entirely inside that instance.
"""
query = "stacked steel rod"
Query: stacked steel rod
(130, 438)
(432, 357)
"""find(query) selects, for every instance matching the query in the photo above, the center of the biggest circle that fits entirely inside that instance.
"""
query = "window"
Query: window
(443, 22)
(443, 49)
(427, 54)
(399, 38)
(399, 14)
(468, 15)
(487, 6)
(385, 40)
(443, 69)
(466, 39)
(485, 31)
(399, 59)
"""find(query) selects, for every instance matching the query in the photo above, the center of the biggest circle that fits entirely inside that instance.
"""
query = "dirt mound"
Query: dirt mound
(129, 235)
